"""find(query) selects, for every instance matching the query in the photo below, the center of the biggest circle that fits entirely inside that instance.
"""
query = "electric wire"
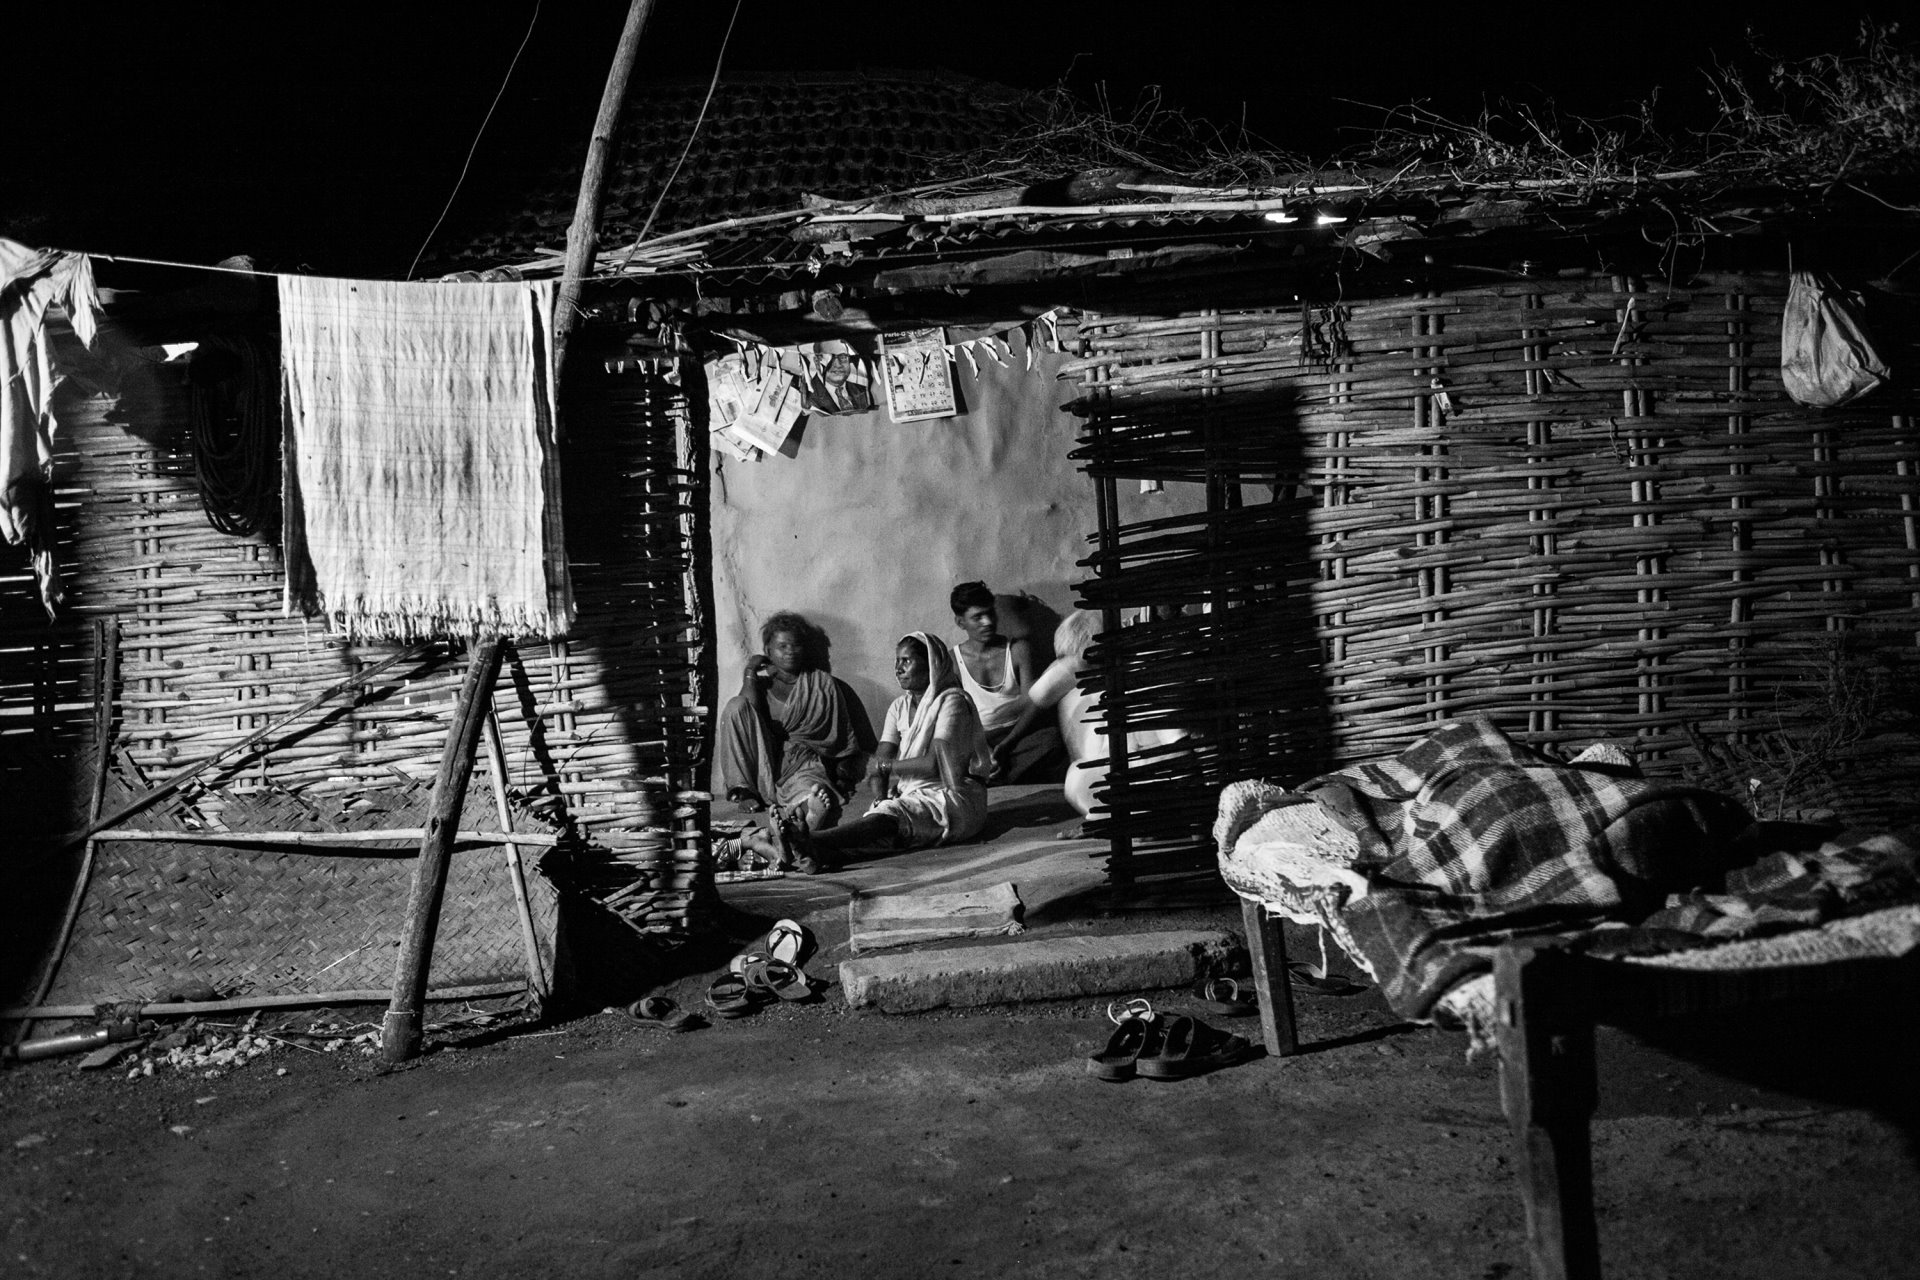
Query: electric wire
(713, 84)
(468, 164)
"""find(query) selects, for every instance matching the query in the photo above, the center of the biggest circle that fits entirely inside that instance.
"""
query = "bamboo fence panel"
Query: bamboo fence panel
(606, 726)
(1584, 508)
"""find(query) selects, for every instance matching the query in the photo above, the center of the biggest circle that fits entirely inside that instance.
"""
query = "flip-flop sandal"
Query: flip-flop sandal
(779, 979)
(1193, 1048)
(788, 942)
(1119, 1060)
(1226, 997)
(729, 996)
(1169, 1059)
(738, 965)
(1214, 1049)
(662, 1014)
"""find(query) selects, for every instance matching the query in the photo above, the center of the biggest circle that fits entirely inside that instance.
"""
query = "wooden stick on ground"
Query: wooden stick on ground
(400, 1031)
(293, 1000)
(326, 839)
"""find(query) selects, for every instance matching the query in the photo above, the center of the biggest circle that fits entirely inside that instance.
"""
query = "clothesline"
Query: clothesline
(163, 262)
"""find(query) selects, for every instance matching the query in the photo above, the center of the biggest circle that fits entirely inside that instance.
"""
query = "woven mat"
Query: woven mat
(158, 914)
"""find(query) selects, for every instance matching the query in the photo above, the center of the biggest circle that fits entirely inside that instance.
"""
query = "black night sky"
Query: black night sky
(329, 137)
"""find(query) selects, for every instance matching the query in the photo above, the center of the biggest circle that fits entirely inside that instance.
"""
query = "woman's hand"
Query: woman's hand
(1002, 755)
(753, 676)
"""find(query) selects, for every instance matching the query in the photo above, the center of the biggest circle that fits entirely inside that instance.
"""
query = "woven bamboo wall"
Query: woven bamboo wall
(607, 720)
(1584, 508)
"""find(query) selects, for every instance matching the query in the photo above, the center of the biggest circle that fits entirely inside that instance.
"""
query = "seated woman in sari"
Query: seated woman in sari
(1079, 711)
(930, 771)
(795, 737)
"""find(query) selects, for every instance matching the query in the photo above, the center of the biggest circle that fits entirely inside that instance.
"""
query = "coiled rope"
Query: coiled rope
(234, 408)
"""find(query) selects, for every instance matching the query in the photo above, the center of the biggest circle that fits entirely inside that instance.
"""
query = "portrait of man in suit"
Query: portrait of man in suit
(832, 389)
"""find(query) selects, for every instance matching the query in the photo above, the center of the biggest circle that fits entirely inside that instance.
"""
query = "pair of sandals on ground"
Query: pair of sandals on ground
(1146, 1044)
(1154, 1046)
(767, 972)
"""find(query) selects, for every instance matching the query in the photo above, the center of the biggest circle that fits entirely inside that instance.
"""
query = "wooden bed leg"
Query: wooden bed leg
(1547, 1087)
(1268, 947)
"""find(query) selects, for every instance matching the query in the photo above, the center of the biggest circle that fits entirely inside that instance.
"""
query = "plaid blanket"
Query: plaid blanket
(1468, 839)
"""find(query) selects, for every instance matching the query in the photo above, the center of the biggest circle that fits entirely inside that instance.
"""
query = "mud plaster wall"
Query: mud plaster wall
(864, 525)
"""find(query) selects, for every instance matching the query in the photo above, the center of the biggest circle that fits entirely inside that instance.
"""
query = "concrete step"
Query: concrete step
(1042, 969)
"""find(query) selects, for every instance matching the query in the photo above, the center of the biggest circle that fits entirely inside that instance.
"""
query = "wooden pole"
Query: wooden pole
(174, 1008)
(326, 839)
(584, 235)
(497, 769)
(1548, 1090)
(106, 677)
(400, 1031)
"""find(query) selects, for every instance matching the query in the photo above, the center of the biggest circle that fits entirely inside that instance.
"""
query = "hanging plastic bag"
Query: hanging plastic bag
(1826, 358)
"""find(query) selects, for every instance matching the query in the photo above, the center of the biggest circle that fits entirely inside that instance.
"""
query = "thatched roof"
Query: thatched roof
(892, 183)
(763, 143)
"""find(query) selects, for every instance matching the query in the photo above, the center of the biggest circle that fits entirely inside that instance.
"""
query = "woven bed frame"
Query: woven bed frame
(1547, 1002)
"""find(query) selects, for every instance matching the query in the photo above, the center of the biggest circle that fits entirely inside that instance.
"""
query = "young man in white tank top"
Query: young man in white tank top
(996, 673)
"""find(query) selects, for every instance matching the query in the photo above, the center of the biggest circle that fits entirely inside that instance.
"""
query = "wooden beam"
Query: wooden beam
(294, 1000)
(1267, 951)
(1544, 1025)
(329, 839)
(583, 235)
(400, 1031)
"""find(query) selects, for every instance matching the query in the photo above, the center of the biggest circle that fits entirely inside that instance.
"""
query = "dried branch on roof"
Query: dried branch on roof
(1813, 122)
(1816, 121)
(1069, 137)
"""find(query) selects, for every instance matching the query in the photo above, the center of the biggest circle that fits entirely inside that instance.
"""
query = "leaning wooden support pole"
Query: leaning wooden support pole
(106, 678)
(497, 770)
(188, 774)
(400, 1031)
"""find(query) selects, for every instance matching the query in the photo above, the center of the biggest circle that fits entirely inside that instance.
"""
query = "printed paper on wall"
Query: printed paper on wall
(918, 375)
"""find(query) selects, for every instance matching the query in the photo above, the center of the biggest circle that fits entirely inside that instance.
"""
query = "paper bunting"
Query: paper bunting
(757, 393)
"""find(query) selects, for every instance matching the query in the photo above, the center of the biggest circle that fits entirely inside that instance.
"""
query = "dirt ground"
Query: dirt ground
(809, 1140)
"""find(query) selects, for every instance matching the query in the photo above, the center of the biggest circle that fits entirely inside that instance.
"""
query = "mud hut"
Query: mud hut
(1338, 453)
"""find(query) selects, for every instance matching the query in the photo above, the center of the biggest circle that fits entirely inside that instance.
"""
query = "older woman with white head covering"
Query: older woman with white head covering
(930, 769)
